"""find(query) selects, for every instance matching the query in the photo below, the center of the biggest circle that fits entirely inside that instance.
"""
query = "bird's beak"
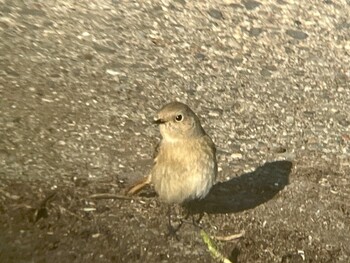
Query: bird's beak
(158, 121)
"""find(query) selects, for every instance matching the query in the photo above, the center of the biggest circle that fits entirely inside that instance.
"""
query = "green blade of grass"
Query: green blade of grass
(215, 253)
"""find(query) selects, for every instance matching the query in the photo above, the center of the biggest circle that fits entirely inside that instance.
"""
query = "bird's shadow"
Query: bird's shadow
(246, 191)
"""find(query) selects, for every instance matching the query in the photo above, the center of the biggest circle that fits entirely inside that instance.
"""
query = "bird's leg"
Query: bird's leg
(189, 213)
(172, 230)
(197, 221)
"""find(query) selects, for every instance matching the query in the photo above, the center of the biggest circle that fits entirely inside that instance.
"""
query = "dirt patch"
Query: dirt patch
(81, 81)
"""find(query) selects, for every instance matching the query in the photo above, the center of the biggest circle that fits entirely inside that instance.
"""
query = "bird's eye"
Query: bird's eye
(179, 118)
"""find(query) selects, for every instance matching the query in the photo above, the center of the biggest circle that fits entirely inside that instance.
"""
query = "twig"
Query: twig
(109, 196)
(216, 254)
(72, 214)
(138, 185)
(230, 237)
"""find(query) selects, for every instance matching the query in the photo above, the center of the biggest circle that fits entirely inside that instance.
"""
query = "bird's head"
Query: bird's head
(177, 121)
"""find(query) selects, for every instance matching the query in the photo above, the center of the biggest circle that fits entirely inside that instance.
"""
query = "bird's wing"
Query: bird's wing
(156, 151)
(211, 144)
(143, 182)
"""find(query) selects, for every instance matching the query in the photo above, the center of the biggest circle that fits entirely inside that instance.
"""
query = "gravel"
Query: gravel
(80, 82)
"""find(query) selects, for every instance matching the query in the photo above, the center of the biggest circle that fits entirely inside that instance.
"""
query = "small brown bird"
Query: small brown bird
(185, 165)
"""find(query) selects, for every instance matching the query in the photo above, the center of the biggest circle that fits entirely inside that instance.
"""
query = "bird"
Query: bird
(185, 166)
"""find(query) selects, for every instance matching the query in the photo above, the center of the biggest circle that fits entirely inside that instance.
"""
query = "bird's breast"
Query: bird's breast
(183, 171)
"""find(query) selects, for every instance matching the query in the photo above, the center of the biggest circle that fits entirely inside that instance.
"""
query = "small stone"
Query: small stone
(62, 143)
(289, 119)
(213, 114)
(234, 5)
(297, 34)
(250, 5)
(271, 68)
(214, 13)
(279, 149)
(200, 56)
(265, 72)
(103, 48)
(255, 31)
(88, 56)
(309, 113)
(236, 156)
(89, 209)
(182, 2)
(112, 72)
(237, 60)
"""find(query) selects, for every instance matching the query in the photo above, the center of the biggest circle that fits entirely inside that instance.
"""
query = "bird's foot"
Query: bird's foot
(172, 231)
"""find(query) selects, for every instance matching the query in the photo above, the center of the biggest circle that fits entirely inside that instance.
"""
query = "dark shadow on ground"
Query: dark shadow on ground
(246, 191)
